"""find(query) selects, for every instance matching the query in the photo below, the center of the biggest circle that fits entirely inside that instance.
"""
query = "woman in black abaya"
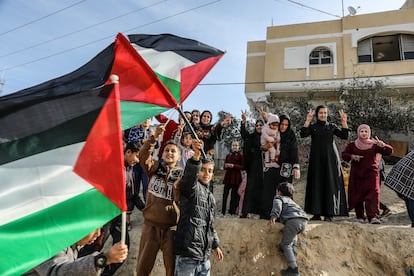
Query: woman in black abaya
(325, 192)
(254, 167)
(288, 166)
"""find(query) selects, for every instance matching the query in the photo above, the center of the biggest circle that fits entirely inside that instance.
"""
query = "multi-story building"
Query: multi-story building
(323, 56)
(316, 60)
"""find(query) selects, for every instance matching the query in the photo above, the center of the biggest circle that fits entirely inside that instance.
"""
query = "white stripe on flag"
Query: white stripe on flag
(171, 64)
(38, 182)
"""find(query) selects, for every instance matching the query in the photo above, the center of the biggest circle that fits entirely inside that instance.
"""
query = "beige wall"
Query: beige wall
(282, 58)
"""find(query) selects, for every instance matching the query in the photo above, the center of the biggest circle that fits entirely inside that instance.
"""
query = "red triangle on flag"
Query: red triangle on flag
(138, 82)
(192, 75)
(101, 160)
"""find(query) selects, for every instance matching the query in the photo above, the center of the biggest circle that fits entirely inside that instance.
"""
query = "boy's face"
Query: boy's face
(187, 141)
(131, 158)
(195, 117)
(206, 173)
(171, 154)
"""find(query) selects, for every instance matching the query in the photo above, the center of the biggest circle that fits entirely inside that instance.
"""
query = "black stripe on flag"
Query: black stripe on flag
(50, 123)
(187, 48)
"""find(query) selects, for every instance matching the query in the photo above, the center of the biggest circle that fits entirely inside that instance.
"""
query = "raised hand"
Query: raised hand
(159, 131)
(379, 142)
(197, 145)
(263, 113)
(243, 116)
(343, 116)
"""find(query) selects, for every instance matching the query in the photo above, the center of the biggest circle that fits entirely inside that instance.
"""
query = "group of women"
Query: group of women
(325, 193)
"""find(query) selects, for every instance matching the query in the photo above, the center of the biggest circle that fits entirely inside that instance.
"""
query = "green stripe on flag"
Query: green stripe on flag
(57, 226)
(172, 85)
(133, 113)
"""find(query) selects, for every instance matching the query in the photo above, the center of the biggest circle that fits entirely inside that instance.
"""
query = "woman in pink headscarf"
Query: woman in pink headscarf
(364, 179)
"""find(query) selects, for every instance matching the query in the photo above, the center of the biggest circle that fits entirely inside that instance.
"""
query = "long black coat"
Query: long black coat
(254, 168)
(273, 176)
(325, 192)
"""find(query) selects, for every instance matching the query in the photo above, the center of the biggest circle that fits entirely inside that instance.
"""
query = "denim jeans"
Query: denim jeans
(185, 266)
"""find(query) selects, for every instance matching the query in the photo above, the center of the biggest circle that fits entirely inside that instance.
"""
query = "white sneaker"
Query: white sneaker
(375, 221)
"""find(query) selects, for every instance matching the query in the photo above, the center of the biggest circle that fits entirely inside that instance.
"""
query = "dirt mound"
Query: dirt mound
(343, 247)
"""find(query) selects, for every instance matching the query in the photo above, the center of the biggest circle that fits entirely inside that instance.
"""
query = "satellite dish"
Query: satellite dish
(352, 10)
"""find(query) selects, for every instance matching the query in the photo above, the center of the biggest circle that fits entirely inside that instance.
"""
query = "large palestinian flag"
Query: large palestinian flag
(61, 171)
(159, 74)
(173, 66)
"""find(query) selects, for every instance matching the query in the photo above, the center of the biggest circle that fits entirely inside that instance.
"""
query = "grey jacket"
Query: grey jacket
(66, 263)
(284, 208)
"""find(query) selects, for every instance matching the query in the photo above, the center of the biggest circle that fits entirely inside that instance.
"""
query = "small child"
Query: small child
(232, 178)
(184, 141)
(294, 218)
(270, 140)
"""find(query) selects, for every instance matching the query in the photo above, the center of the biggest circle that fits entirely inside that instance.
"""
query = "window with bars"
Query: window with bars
(320, 55)
(386, 48)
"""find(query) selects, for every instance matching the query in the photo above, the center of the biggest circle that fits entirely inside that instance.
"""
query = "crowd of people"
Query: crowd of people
(173, 188)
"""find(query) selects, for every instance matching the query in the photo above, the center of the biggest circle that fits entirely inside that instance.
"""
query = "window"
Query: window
(320, 55)
(386, 48)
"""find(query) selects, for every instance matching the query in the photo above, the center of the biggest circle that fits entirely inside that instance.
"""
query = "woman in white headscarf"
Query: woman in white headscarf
(364, 180)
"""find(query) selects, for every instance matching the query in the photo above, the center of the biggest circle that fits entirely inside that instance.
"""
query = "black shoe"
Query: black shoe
(316, 217)
(328, 218)
(290, 271)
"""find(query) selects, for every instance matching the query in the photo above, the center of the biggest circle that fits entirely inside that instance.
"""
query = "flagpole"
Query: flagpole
(123, 228)
(190, 127)
(115, 80)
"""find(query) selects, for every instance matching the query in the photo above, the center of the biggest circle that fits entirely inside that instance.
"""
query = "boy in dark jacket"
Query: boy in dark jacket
(294, 218)
(196, 236)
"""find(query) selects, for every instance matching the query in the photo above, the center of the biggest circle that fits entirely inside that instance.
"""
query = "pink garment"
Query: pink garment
(364, 144)
(241, 191)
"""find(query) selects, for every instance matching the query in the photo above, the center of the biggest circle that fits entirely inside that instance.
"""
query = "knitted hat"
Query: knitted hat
(272, 118)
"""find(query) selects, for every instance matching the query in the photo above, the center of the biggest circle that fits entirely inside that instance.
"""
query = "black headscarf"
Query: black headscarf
(319, 107)
(289, 134)
(258, 121)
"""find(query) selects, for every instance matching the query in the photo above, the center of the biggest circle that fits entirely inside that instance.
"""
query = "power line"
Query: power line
(80, 30)
(111, 36)
(314, 9)
(41, 18)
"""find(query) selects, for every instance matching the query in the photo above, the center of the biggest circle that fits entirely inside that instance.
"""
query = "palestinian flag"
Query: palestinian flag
(156, 73)
(61, 171)
(169, 68)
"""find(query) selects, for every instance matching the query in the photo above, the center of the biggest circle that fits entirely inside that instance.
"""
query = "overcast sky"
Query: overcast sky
(41, 40)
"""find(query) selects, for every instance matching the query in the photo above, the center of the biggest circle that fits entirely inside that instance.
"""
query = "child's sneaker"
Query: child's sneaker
(375, 221)
(290, 271)
(385, 213)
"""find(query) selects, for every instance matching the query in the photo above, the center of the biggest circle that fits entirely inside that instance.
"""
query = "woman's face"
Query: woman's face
(259, 126)
(206, 118)
(323, 114)
(283, 126)
(364, 133)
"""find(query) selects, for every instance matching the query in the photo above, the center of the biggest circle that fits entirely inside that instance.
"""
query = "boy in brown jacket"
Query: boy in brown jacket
(160, 212)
